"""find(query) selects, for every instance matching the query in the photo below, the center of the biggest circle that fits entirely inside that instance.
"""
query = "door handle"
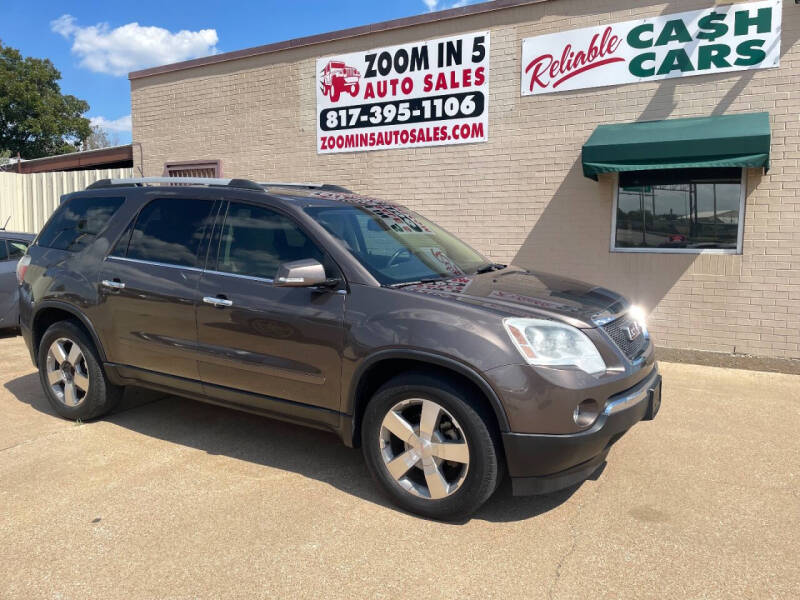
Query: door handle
(219, 302)
(114, 285)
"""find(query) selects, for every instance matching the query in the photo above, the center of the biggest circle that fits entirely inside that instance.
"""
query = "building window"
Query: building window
(193, 168)
(680, 210)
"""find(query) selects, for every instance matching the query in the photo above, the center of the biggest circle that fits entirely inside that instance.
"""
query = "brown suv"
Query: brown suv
(327, 308)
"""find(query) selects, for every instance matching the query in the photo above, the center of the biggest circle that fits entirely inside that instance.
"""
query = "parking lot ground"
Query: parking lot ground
(169, 498)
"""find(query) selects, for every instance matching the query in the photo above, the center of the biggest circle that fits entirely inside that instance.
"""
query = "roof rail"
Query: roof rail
(207, 181)
(305, 186)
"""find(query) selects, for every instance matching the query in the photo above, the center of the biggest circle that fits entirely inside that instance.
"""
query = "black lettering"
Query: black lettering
(453, 53)
(384, 63)
(370, 58)
(479, 49)
(419, 58)
(401, 60)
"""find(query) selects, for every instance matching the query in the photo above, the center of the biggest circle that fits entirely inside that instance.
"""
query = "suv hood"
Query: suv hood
(517, 292)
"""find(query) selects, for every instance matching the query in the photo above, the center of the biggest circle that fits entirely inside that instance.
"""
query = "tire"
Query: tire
(354, 90)
(336, 91)
(91, 395)
(463, 487)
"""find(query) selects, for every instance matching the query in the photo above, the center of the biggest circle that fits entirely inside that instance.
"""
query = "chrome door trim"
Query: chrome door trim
(152, 262)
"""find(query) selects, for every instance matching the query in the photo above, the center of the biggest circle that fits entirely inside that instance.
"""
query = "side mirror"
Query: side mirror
(300, 273)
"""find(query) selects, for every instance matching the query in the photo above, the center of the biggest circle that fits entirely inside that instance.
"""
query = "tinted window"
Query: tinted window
(16, 249)
(77, 223)
(3, 252)
(171, 230)
(689, 208)
(255, 241)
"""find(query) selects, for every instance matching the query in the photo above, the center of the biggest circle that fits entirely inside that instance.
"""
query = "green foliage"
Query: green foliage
(36, 119)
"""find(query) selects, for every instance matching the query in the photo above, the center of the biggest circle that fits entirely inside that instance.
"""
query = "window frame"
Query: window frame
(103, 194)
(202, 252)
(739, 233)
(215, 240)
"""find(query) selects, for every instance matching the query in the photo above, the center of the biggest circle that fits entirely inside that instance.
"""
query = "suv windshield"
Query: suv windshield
(397, 245)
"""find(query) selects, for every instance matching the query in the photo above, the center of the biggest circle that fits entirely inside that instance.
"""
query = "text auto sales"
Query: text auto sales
(424, 88)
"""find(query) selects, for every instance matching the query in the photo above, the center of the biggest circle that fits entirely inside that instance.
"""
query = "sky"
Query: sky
(95, 44)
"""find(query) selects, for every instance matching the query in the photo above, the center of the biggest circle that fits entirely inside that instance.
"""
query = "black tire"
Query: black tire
(485, 466)
(101, 396)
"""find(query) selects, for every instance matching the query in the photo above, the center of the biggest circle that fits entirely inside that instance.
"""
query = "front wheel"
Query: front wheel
(71, 374)
(428, 446)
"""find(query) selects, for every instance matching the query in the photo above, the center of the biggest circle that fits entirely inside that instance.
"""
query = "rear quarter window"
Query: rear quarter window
(78, 222)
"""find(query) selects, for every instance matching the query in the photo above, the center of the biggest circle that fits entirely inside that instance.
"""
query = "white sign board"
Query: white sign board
(718, 39)
(422, 94)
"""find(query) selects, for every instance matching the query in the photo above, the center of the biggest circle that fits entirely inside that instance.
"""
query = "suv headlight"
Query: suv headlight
(550, 343)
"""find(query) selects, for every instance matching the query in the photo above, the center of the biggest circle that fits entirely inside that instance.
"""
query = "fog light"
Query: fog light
(586, 413)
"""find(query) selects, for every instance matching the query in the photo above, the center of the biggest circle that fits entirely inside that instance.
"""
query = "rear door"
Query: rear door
(148, 287)
(285, 343)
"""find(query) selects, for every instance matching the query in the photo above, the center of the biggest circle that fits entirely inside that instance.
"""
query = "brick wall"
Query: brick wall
(521, 197)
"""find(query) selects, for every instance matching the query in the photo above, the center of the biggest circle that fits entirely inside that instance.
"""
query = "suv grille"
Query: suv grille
(617, 331)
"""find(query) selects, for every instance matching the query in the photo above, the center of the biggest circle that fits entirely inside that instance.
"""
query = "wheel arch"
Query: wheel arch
(384, 365)
(50, 312)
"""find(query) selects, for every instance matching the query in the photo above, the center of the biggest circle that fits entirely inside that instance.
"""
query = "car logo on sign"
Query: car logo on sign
(633, 330)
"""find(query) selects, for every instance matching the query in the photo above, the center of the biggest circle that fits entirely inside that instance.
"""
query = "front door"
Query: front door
(259, 339)
(148, 288)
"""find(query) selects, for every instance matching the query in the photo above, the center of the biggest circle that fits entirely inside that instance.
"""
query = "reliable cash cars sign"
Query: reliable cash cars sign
(423, 94)
(719, 39)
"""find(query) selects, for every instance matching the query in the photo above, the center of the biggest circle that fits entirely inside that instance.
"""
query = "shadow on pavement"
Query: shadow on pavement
(319, 455)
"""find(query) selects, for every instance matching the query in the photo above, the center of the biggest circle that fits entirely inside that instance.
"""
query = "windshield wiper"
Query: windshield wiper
(419, 281)
(489, 268)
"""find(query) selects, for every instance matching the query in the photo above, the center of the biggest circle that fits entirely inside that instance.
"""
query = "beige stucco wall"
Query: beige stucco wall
(521, 197)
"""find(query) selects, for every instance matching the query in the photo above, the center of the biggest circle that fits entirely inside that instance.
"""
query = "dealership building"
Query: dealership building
(649, 147)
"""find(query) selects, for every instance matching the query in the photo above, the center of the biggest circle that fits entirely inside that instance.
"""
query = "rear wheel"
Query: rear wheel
(71, 374)
(429, 447)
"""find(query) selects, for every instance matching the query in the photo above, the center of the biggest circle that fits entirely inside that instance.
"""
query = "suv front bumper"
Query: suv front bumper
(544, 463)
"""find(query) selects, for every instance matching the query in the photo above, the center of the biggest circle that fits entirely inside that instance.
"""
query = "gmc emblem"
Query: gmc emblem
(633, 330)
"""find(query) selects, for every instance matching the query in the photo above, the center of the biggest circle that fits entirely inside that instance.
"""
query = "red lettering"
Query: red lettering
(427, 83)
(453, 82)
(539, 66)
(545, 70)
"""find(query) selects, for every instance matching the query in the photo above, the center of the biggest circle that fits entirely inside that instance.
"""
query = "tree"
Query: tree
(100, 138)
(36, 119)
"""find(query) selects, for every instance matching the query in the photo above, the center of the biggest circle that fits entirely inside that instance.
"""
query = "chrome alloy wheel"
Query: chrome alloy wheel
(67, 372)
(424, 448)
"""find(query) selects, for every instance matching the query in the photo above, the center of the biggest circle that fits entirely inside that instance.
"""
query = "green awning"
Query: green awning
(740, 140)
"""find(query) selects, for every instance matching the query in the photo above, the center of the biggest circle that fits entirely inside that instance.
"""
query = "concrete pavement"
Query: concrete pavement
(170, 498)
